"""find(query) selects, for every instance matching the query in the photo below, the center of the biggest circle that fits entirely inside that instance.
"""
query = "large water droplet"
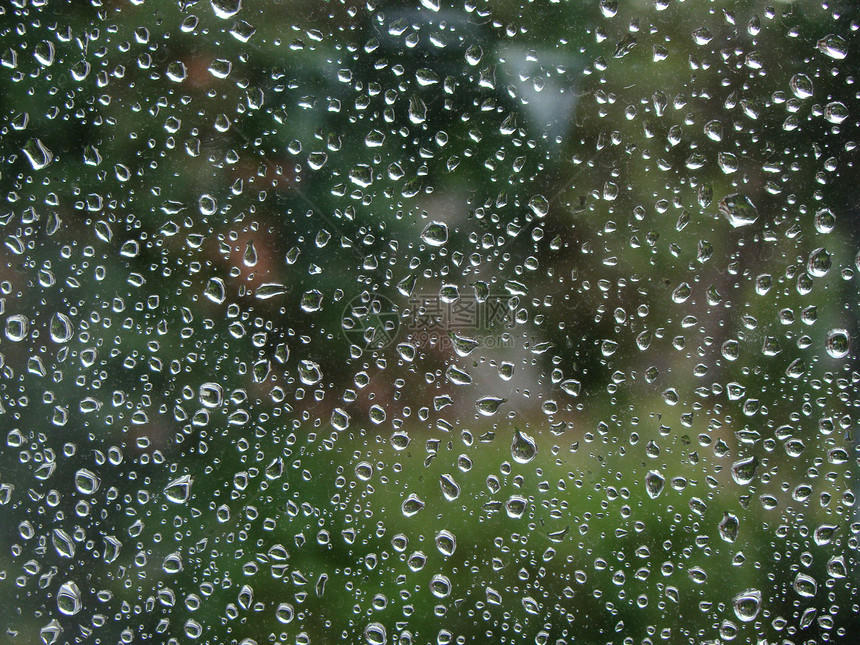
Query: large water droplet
(435, 234)
(450, 488)
(805, 585)
(729, 527)
(743, 471)
(309, 372)
(225, 9)
(833, 46)
(17, 326)
(86, 481)
(516, 506)
(446, 542)
(37, 154)
(738, 209)
(179, 490)
(69, 599)
(411, 505)
(654, 482)
(489, 405)
(375, 634)
(523, 448)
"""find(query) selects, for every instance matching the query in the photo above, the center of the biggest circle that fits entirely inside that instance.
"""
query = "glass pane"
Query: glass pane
(436, 322)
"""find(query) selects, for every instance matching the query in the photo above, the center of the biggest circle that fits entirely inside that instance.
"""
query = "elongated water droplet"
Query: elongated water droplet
(489, 405)
(450, 488)
(729, 527)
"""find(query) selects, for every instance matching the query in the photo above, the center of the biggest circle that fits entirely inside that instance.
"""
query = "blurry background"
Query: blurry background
(246, 393)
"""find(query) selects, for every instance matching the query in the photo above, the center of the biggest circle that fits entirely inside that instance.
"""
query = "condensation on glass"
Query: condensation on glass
(428, 322)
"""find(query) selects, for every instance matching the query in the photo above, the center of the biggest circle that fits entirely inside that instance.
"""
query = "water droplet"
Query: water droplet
(539, 205)
(311, 301)
(531, 605)
(375, 634)
(216, 291)
(179, 490)
(210, 395)
(738, 209)
(489, 405)
(450, 488)
(270, 290)
(744, 470)
(207, 205)
(654, 482)
(833, 46)
(805, 585)
(37, 154)
(446, 542)
(411, 505)
(309, 372)
(836, 112)
(516, 506)
(801, 85)
(17, 326)
(172, 563)
(836, 567)
(339, 419)
(63, 543)
(823, 535)
(819, 263)
(729, 527)
(435, 233)
(86, 481)
(523, 448)
(697, 575)
(225, 9)
(69, 599)
(838, 343)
